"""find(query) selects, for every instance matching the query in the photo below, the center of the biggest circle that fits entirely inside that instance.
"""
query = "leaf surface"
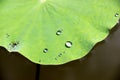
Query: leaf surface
(53, 32)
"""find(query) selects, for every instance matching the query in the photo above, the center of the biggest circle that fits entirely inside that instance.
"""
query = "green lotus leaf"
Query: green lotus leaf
(53, 32)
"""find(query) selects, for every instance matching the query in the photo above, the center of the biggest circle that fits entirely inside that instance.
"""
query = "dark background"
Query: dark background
(102, 63)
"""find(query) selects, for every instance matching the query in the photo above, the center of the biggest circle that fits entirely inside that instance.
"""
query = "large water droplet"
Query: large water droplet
(68, 44)
(45, 50)
(116, 15)
(59, 32)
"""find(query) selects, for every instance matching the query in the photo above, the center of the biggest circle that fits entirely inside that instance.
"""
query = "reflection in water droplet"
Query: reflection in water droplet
(116, 15)
(59, 32)
(45, 50)
(68, 44)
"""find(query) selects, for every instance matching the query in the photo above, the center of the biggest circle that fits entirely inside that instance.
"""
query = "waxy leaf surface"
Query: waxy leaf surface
(53, 32)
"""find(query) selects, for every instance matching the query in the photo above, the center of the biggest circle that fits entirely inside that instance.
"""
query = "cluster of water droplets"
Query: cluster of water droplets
(68, 44)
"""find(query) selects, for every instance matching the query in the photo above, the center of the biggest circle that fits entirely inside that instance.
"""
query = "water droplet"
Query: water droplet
(116, 15)
(68, 44)
(45, 50)
(59, 32)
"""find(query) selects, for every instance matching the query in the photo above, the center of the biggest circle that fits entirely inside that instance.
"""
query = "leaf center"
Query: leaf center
(42, 1)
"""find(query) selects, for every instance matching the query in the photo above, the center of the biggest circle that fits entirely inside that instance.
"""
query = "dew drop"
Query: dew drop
(116, 15)
(68, 44)
(59, 32)
(45, 50)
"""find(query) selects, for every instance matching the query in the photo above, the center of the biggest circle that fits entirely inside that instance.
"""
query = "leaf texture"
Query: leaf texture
(53, 32)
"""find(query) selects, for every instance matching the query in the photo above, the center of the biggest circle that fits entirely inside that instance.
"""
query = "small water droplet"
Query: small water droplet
(116, 15)
(68, 44)
(59, 32)
(45, 50)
